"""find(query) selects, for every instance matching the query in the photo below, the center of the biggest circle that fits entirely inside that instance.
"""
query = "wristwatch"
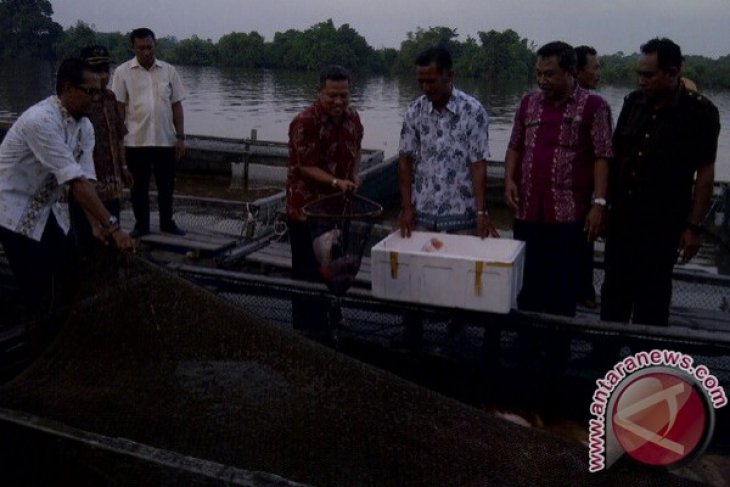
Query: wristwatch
(112, 222)
(600, 202)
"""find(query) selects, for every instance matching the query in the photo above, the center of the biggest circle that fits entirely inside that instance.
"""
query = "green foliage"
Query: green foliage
(320, 45)
(423, 38)
(193, 51)
(707, 73)
(74, 39)
(27, 30)
(505, 56)
(239, 49)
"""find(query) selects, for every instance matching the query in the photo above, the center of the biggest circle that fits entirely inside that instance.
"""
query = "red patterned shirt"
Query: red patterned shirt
(316, 139)
(558, 147)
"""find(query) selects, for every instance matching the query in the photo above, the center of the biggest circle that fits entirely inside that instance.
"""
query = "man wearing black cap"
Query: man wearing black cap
(109, 159)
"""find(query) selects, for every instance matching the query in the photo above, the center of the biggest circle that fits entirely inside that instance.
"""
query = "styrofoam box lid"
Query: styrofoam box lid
(454, 246)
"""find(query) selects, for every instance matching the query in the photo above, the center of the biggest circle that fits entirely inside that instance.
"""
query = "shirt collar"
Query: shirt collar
(572, 96)
(678, 93)
(135, 63)
(451, 105)
(324, 117)
(64, 112)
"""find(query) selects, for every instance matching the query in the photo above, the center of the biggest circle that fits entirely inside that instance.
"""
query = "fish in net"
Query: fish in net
(340, 227)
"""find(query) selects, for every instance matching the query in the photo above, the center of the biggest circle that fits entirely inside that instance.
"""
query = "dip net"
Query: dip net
(340, 227)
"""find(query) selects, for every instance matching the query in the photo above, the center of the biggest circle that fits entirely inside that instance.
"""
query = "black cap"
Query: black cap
(95, 55)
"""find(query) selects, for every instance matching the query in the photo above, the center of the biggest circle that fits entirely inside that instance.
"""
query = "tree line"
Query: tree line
(28, 30)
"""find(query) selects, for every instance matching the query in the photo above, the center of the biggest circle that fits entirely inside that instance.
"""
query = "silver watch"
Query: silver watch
(600, 202)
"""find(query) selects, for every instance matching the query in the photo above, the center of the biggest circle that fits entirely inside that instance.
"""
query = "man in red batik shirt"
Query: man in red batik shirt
(324, 158)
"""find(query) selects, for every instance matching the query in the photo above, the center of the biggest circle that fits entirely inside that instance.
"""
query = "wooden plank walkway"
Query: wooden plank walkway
(192, 240)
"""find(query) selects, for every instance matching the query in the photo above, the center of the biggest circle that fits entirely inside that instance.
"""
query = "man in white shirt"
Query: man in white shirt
(48, 148)
(150, 93)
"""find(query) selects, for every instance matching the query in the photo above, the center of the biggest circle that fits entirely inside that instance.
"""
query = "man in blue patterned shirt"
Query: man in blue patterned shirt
(444, 146)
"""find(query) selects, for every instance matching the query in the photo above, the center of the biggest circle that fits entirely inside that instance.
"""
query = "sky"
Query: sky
(698, 26)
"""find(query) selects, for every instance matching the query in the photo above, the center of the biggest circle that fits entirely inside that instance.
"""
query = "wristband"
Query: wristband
(180, 136)
(334, 183)
(482, 213)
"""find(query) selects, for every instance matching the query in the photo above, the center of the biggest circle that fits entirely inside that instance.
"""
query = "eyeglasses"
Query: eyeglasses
(92, 92)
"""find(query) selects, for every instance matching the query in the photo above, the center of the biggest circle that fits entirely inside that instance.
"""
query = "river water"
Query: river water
(232, 102)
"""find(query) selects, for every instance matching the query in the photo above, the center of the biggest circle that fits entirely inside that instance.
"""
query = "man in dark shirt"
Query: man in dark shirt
(659, 188)
(588, 75)
(324, 158)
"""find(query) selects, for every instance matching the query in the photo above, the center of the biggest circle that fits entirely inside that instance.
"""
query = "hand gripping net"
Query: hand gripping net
(340, 226)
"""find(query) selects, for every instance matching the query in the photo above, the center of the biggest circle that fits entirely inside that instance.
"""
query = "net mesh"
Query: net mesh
(179, 369)
(340, 227)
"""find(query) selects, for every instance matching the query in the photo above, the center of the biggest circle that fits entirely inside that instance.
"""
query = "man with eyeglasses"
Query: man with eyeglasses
(49, 148)
(110, 165)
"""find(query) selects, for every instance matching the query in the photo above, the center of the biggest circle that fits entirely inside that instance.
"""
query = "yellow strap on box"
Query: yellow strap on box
(478, 277)
(394, 265)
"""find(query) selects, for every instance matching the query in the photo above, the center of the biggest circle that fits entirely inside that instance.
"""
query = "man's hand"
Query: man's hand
(595, 222)
(406, 221)
(123, 241)
(485, 227)
(689, 244)
(179, 149)
(127, 177)
(511, 194)
(346, 185)
(114, 234)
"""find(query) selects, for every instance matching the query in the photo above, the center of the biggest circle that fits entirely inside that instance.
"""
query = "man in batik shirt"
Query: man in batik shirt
(556, 178)
(324, 158)
(109, 161)
(444, 146)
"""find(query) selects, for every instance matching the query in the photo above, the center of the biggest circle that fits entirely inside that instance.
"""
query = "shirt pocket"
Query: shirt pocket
(164, 90)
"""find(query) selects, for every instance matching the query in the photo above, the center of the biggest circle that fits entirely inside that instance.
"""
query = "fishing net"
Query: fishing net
(340, 226)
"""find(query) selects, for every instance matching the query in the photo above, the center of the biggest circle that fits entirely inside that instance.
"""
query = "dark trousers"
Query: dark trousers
(308, 312)
(43, 271)
(552, 258)
(142, 162)
(639, 260)
(585, 289)
(80, 228)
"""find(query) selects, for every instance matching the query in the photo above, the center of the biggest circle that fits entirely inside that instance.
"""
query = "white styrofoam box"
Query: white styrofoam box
(466, 272)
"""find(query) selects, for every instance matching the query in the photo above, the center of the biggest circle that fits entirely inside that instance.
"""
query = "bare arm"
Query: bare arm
(596, 219)
(407, 216)
(511, 189)
(689, 242)
(479, 181)
(85, 195)
(319, 175)
(178, 120)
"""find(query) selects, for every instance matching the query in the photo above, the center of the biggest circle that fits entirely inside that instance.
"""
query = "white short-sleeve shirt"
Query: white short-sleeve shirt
(44, 149)
(148, 95)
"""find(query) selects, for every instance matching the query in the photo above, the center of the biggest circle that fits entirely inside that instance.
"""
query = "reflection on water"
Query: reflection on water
(233, 101)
